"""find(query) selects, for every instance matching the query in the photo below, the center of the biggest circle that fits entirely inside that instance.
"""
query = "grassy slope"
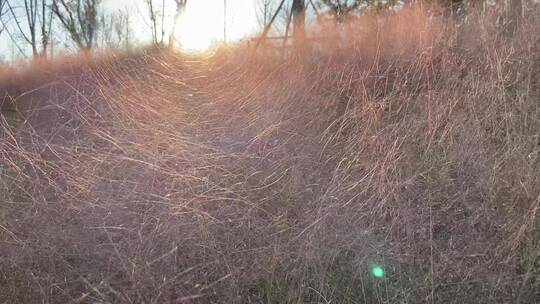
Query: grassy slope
(160, 178)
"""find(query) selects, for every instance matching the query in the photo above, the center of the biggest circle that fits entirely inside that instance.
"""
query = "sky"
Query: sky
(201, 25)
(196, 31)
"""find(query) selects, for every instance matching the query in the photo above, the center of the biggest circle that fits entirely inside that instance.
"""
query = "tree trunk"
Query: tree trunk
(299, 22)
(180, 8)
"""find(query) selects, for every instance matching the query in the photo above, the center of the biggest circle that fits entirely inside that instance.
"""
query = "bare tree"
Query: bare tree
(342, 8)
(158, 23)
(30, 8)
(35, 13)
(153, 20)
(79, 19)
(115, 29)
(124, 29)
(157, 26)
(4, 28)
(46, 18)
(299, 21)
(2, 4)
(180, 9)
(264, 8)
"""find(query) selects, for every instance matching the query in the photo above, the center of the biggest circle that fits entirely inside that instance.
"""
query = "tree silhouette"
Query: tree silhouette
(180, 8)
(342, 8)
(79, 19)
(2, 26)
(35, 17)
(299, 19)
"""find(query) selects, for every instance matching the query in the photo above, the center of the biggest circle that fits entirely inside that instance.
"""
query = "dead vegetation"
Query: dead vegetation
(162, 178)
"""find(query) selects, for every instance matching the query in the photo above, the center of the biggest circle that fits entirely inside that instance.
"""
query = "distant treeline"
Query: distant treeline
(35, 24)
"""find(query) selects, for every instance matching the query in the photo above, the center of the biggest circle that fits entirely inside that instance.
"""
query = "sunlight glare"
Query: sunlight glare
(201, 26)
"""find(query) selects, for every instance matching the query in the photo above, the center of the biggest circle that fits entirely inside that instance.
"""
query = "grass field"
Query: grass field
(403, 167)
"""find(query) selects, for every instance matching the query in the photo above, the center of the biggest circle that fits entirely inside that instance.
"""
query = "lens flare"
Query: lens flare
(203, 25)
(378, 272)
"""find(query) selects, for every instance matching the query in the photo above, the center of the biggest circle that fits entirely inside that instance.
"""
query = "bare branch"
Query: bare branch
(27, 18)
(79, 19)
(2, 4)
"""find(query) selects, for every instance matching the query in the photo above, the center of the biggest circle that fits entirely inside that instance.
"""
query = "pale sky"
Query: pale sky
(202, 22)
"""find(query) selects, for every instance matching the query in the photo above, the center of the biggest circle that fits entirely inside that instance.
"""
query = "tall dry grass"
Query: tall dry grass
(164, 178)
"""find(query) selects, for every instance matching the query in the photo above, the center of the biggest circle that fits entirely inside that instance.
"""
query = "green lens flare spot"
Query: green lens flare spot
(377, 272)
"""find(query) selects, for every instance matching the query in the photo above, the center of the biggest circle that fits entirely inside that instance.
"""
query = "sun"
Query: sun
(202, 23)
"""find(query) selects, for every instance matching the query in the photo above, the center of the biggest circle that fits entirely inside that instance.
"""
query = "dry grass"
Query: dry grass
(163, 178)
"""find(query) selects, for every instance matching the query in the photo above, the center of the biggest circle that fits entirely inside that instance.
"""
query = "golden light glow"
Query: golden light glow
(199, 27)
(202, 23)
